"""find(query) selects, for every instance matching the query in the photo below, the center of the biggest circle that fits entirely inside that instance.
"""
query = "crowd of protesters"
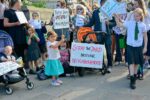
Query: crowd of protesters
(31, 44)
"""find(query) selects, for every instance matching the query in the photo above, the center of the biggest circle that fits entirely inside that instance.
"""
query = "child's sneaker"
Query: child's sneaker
(59, 81)
(55, 83)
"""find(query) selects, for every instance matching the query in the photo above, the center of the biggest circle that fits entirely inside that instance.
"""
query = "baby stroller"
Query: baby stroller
(87, 35)
(5, 40)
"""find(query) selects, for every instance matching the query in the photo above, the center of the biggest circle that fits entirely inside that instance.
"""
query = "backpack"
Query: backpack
(41, 75)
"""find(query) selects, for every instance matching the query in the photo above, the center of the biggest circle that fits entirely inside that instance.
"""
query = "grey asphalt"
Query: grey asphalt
(93, 86)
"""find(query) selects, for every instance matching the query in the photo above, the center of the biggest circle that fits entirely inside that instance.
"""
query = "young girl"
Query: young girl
(53, 66)
(33, 51)
(37, 24)
(65, 58)
(136, 32)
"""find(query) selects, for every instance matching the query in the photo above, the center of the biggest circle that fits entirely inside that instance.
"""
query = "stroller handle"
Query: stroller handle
(94, 32)
(97, 32)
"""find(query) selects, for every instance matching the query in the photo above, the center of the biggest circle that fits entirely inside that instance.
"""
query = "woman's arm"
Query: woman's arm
(8, 24)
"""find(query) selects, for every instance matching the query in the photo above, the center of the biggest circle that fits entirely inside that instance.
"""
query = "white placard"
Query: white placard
(112, 6)
(87, 55)
(109, 7)
(21, 17)
(61, 18)
(121, 8)
(6, 67)
(79, 20)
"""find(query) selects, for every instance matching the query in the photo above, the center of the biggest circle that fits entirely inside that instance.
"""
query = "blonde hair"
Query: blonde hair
(81, 6)
(142, 6)
(140, 12)
(50, 33)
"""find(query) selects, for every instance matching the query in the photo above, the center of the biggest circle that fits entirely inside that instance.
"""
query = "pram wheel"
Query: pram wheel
(9, 91)
(81, 72)
(30, 86)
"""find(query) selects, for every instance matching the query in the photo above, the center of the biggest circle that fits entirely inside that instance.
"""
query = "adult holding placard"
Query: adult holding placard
(56, 23)
(15, 29)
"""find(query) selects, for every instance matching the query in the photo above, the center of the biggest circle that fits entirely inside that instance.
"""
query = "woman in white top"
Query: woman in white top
(3, 6)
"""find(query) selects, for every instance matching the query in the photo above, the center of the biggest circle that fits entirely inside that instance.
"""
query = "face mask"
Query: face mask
(62, 48)
(80, 12)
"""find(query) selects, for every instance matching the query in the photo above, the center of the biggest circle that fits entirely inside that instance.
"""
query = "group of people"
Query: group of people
(52, 50)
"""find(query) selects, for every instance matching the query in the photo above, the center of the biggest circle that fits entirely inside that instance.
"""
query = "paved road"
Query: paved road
(93, 86)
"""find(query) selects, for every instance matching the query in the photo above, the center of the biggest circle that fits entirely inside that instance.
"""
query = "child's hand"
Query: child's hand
(144, 50)
(63, 37)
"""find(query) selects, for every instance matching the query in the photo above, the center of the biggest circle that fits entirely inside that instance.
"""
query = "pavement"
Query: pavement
(93, 86)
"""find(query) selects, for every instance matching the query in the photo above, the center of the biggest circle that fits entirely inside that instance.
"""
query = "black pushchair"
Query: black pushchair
(5, 40)
(97, 37)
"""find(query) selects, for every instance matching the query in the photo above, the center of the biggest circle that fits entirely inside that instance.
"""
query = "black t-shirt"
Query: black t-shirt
(18, 33)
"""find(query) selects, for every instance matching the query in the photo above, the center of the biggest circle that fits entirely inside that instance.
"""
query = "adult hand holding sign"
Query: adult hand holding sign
(21, 17)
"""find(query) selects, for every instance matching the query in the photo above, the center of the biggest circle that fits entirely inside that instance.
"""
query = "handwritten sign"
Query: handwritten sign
(21, 17)
(6, 67)
(121, 8)
(87, 55)
(109, 7)
(112, 6)
(61, 18)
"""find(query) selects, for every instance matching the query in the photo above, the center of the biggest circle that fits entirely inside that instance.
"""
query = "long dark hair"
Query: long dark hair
(13, 2)
(2, 1)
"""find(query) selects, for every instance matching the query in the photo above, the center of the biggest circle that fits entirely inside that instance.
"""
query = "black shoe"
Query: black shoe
(32, 72)
(132, 82)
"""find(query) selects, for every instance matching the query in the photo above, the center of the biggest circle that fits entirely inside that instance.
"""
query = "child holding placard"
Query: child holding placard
(53, 66)
(136, 34)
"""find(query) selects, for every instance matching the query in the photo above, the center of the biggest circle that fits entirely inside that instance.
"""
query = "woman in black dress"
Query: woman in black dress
(16, 30)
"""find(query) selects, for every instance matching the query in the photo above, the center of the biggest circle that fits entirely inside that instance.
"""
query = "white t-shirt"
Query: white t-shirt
(53, 54)
(130, 25)
(9, 57)
(80, 20)
(35, 23)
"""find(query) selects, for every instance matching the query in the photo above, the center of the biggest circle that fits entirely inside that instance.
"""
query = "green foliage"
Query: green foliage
(39, 3)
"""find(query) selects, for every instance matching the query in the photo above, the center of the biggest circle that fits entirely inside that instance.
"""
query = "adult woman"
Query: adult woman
(3, 6)
(15, 29)
(60, 5)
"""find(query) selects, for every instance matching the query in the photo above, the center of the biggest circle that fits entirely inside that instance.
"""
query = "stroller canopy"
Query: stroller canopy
(5, 40)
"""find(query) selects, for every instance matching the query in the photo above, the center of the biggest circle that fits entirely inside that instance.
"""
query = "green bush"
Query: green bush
(39, 4)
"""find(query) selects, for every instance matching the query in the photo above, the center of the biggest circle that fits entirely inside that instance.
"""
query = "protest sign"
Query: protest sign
(87, 55)
(21, 17)
(61, 18)
(112, 6)
(6, 67)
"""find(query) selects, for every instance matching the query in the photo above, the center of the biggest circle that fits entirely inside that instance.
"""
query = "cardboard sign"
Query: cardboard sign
(21, 17)
(6, 67)
(109, 8)
(112, 6)
(87, 55)
(121, 8)
(61, 18)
